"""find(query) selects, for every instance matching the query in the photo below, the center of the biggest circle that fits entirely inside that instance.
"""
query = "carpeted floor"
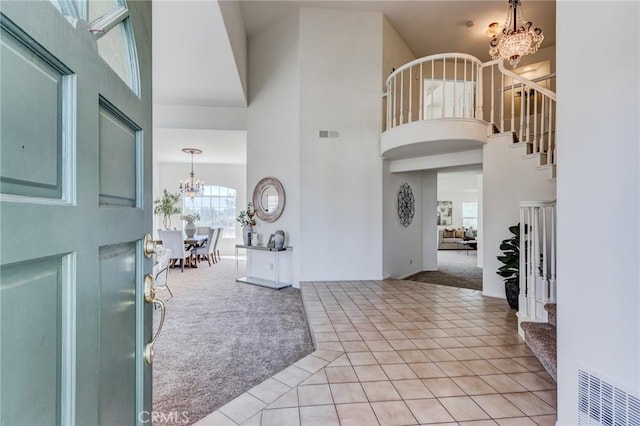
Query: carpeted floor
(455, 269)
(221, 338)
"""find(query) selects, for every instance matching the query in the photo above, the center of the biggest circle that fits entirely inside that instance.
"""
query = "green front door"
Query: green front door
(75, 179)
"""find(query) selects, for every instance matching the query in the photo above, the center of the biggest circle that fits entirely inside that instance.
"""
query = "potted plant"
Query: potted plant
(190, 228)
(166, 206)
(510, 271)
(247, 221)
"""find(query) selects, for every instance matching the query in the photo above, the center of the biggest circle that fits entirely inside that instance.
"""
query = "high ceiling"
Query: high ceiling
(194, 62)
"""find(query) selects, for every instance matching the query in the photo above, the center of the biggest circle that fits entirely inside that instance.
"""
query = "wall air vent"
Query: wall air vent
(600, 403)
(328, 133)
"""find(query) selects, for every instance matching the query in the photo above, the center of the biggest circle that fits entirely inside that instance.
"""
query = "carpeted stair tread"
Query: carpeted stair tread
(551, 310)
(541, 338)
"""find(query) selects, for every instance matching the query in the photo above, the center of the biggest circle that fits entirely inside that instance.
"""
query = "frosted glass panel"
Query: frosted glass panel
(31, 338)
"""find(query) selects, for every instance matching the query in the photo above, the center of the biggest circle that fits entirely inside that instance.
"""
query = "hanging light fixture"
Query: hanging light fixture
(519, 37)
(190, 187)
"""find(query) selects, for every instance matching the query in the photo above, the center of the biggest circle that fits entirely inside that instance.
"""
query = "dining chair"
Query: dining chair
(161, 269)
(207, 250)
(174, 241)
(202, 230)
(216, 250)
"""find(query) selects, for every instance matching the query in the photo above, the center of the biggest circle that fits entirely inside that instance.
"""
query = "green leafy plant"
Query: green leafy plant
(166, 206)
(246, 216)
(510, 270)
(190, 217)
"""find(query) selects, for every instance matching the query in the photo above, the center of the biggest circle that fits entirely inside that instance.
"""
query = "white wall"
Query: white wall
(229, 175)
(507, 180)
(598, 199)
(340, 178)
(402, 248)
(273, 124)
(429, 221)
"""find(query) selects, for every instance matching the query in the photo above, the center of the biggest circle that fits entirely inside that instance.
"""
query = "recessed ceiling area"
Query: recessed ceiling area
(218, 146)
(459, 179)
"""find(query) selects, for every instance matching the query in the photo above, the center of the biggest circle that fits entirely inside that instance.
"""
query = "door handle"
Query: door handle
(149, 246)
(150, 297)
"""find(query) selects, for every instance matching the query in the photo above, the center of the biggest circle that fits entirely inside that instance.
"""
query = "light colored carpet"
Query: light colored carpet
(221, 338)
(455, 269)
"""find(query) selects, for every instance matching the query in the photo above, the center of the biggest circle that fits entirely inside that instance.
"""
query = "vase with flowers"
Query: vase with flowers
(246, 219)
(166, 206)
(190, 228)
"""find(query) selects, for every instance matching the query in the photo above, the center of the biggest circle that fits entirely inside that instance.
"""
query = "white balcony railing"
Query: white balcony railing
(537, 260)
(457, 85)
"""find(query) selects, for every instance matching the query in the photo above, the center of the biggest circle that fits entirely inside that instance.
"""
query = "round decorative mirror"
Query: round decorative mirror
(269, 199)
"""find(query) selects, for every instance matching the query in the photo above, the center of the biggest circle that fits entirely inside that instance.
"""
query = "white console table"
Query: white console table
(274, 284)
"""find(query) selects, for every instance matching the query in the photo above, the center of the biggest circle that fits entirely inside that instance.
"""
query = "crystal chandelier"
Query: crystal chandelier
(519, 38)
(190, 187)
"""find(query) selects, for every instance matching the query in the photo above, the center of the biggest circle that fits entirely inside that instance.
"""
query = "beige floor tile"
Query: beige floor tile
(330, 346)
(388, 357)
(531, 363)
(242, 408)
(413, 356)
(326, 337)
(319, 415)
(379, 345)
(216, 419)
(344, 393)
(356, 415)
(311, 363)
(530, 404)
(463, 408)
(314, 395)
(348, 336)
(393, 334)
(436, 355)
(503, 383)
(344, 327)
(399, 371)
(480, 367)
(425, 344)
(478, 423)
(362, 358)
(385, 326)
(463, 354)
(497, 406)
(402, 344)
(443, 387)
(269, 390)
(381, 391)
(393, 413)
(470, 341)
(532, 382)
(341, 361)
(292, 375)
(289, 399)
(316, 379)
(371, 335)
(326, 354)
(473, 385)
(516, 421)
(549, 420)
(505, 365)
(454, 368)
(428, 411)
(487, 352)
(323, 328)
(365, 327)
(256, 420)
(281, 416)
(412, 389)
(427, 370)
(341, 374)
(548, 396)
(355, 347)
(448, 342)
(370, 373)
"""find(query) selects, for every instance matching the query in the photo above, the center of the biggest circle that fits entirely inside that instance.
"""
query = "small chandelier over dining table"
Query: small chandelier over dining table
(191, 187)
(519, 37)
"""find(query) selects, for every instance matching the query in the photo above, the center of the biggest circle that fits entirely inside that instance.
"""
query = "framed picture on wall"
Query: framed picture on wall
(445, 213)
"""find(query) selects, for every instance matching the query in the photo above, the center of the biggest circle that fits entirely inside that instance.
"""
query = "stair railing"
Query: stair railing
(447, 85)
(457, 85)
(537, 259)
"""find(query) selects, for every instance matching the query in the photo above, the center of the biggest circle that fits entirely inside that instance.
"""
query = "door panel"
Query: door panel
(34, 341)
(117, 339)
(76, 248)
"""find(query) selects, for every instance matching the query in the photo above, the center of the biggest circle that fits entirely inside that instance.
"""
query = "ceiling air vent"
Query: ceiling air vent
(328, 133)
(600, 403)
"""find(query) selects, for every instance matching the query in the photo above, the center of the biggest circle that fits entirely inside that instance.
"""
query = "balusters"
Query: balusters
(444, 80)
(421, 97)
(536, 147)
(410, 94)
(402, 97)
(550, 149)
(395, 88)
(521, 139)
(492, 98)
(513, 106)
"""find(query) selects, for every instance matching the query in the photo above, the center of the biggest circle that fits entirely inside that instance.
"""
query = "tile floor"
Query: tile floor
(402, 353)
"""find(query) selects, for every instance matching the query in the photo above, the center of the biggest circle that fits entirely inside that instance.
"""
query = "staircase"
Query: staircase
(541, 337)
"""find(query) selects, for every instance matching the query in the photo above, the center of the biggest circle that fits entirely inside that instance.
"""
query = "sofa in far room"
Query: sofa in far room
(448, 239)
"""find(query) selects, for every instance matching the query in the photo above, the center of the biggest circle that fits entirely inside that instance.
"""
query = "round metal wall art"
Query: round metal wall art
(406, 205)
